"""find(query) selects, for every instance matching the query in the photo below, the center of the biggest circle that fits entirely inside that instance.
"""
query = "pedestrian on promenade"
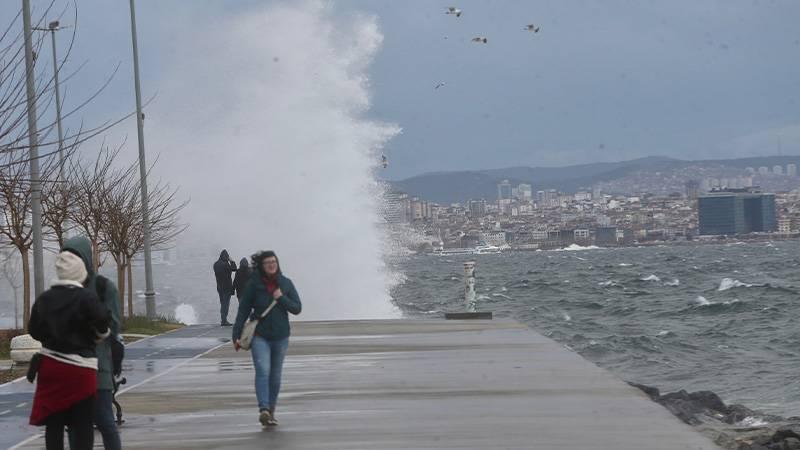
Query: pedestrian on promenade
(109, 358)
(223, 268)
(241, 278)
(271, 340)
(68, 320)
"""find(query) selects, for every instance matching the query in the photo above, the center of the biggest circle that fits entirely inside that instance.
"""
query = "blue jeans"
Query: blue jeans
(224, 304)
(268, 361)
(104, 419)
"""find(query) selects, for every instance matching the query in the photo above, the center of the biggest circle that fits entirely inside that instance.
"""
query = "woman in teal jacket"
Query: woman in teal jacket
(268, 349)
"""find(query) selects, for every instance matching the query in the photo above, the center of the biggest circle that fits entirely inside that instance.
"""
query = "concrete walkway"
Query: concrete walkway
(416, 384)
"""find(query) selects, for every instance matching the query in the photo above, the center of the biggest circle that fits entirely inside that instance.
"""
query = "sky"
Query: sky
(601, 81)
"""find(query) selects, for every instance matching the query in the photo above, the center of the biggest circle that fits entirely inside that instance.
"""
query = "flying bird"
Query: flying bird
(532, 27)
(454, 11)
(439, 85)
(480, 39)
(384, 161)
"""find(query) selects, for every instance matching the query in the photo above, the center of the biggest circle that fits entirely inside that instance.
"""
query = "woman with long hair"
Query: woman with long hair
(271, 340)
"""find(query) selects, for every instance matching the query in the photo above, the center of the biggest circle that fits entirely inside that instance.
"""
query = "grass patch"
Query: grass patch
(5, 342)
(143, 325)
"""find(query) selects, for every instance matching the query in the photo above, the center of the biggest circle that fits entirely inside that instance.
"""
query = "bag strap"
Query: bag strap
(266, 311)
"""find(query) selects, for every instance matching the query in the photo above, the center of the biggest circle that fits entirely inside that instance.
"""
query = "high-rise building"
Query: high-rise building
(477, 208)
(692, 189)
(736, 212)
(791, 170)
(524, 191)
(504, 190)
(777, 170)
(763, 170)
(540, 198)
(395, 207)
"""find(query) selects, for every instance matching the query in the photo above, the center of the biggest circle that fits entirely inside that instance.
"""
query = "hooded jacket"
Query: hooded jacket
(223, 268)
(81, 246)
(256, 299)
(242, 277)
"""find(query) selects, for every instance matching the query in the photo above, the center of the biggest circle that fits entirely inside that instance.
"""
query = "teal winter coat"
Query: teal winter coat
(256, 299)
(83, 248)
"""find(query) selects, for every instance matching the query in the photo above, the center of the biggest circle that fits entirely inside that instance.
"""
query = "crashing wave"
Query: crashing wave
(650, 278)
(730, 283)
(675, 282)
(576, 247)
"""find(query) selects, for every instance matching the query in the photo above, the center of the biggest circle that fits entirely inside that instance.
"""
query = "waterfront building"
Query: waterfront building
(777, 170)
(791, 170)
(736, 211)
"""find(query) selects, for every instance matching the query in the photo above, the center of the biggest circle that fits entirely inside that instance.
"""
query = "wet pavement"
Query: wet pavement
(144, 359)
(421, 384)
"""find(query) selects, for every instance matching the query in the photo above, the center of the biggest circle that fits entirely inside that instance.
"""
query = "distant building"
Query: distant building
(736, 212)
(777, 170)
(477, 208)
(750, 170)
(605, 236)
(791, 170)
(692, 189)
(395, 207)
(504, 191)
(540, 197)
(524, 192)
(763, 170)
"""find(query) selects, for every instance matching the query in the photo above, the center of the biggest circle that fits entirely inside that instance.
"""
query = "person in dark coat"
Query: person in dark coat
(109, 298)
(68, 320)
(271, 341)
(241, 278)
(223, 269)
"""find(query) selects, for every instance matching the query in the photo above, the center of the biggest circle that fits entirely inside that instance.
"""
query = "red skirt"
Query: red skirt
(59, 386)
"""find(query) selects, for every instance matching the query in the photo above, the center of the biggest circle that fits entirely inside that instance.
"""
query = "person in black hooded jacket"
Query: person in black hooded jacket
(223, 268)
(241, 277)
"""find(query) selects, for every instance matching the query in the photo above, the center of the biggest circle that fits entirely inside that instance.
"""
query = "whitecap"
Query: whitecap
(566, 316)
(497, 294)
(730, 283)
(664, 333)
(650, 278)
(625, 265)
(751, 421)
(675, 282)
(700, 301)
(576, 248)
(608, 283)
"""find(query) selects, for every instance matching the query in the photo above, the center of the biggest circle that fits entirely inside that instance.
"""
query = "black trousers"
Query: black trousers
(79, 419)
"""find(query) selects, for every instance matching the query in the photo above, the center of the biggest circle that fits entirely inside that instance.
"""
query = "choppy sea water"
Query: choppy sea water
(717, 317)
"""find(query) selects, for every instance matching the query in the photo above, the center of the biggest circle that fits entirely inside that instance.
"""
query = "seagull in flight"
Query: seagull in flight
(480, 39)
(454, 11)
(439, 85)
(532, 27)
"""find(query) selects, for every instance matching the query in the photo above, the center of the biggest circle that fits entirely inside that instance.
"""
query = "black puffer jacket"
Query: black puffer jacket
(68, 319)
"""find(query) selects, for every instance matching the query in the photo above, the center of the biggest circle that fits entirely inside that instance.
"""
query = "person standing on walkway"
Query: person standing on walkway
(268, 349)
(108, 294)
(241, 278)
(68, 320)
(223, 269)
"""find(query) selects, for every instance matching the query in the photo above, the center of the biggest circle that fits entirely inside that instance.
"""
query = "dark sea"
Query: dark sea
(720, 317)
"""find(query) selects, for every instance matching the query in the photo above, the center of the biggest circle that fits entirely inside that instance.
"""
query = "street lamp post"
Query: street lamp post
(52, 27)
(149, 292)
(33, 141)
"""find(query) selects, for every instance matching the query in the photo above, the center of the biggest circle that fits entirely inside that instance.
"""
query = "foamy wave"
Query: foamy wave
(730, 283)
(609, 283)
(700, 301)
(566, 316)
(575, 248)
(675, 282)
(751, 421)
(650, 278)
(625, 265)
(497, 294)
(185, 313)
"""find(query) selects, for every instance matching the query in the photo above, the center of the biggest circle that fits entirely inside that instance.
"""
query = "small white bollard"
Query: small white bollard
(469, 285)
(23, 348)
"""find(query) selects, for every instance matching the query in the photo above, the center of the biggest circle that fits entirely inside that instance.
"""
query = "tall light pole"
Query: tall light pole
(33, 141)
(149, 292)
(52, 27)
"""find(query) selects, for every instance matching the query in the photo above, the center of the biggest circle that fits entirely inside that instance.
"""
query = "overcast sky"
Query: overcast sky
(602, 81)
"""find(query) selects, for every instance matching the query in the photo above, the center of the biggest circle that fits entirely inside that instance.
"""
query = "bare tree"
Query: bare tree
(10, 267)
(165, 226)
